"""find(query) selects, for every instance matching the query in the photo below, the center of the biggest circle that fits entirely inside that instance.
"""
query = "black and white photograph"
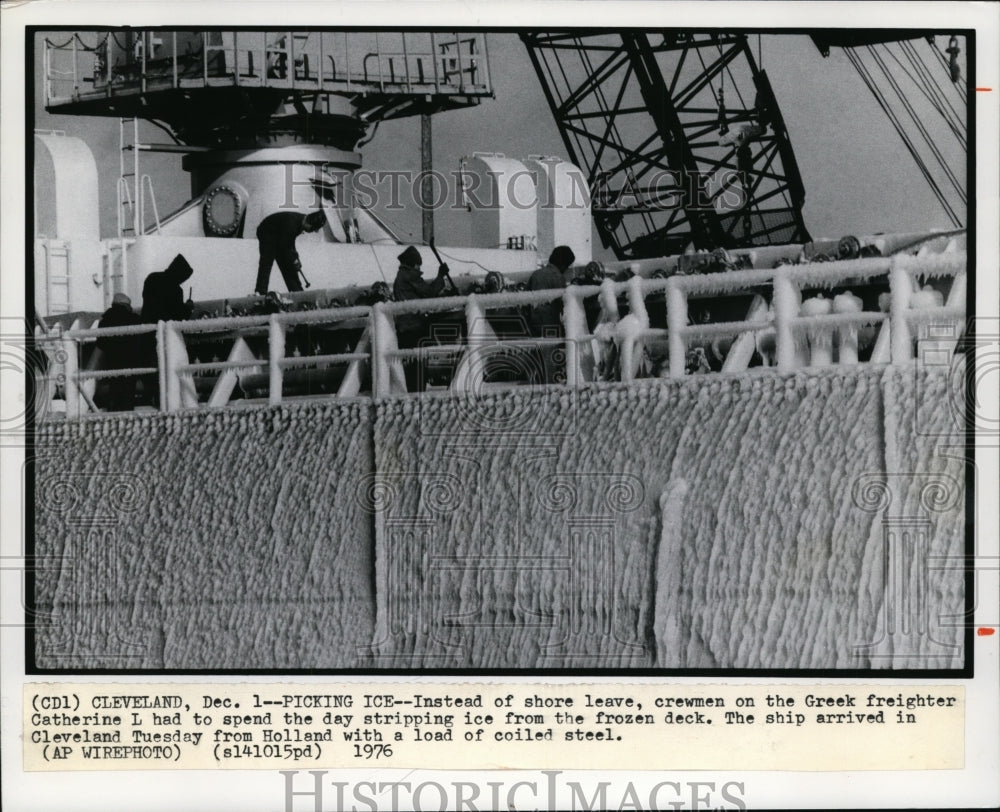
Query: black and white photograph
(636, 350)
(554, 405)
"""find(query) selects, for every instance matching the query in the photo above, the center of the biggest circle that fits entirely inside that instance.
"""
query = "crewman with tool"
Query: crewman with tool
(276, 239)
(411, 328)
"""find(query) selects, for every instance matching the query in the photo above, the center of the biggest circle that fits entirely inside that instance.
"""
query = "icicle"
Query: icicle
(609, 302)
(820, 338)
(847, 302)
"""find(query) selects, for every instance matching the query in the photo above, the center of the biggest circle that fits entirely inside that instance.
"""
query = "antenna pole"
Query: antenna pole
(426, 181)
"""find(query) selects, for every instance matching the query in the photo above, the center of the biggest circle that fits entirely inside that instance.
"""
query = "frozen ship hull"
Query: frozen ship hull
(742, 522)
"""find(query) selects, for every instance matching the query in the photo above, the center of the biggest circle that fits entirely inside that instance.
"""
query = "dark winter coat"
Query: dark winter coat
(120, 352)
(409, 285)
(278, 231)
(547, 315)
(162, 295)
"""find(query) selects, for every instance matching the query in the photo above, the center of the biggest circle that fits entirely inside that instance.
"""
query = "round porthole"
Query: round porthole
(223, 211)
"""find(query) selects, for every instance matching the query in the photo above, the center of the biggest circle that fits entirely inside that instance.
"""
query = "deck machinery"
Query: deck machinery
(269, 121)
(677, 136)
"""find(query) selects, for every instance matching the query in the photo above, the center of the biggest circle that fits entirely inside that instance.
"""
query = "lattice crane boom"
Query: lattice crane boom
(672, 157)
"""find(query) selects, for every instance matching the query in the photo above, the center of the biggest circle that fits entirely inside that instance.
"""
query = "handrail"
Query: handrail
(66, 77)
(803, 335)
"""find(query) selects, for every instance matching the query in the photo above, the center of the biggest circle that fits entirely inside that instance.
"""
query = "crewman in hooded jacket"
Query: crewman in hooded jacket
(163, 300)
(162, 295)
(412, 327)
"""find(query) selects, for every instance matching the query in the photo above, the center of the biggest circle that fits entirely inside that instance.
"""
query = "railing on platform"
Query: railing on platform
(92, 64)
(814, 333)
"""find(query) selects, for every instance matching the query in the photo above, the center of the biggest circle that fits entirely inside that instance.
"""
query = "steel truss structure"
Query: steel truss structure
(680, 135)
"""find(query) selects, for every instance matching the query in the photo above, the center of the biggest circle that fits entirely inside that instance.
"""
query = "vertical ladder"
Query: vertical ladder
(130, 219)
(132, 186)
(57, 276)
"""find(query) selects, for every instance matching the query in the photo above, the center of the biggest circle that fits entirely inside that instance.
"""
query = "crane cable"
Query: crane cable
(931, 143)
(728, 69)
(721, 95)
(930, 91)
(909, 46)
(923, 131)
(925, 83)
(893, 118)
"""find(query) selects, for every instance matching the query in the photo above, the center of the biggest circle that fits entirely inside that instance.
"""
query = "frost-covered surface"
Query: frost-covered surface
(746, 542)
(541, 555)
(235, 540)
(762, 545)
(724, 521)
(925, 490)
(772, 543)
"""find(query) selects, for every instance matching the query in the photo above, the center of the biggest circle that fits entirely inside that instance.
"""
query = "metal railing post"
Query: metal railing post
(381, 380)
(406, 64)
(71, 385)
(434, 59)
(347, 60)
(677, 317)
(171, 378)
(276, 353)
(161, 364)
(486, 56)
(471, 369)
(322, 60)
(786, 308)
(900, 289)
(181, 393)
(575, 324)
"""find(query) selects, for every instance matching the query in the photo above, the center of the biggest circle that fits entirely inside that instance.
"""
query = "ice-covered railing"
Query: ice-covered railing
(180, 392)
(175, 372)
(778, 326)
(481, 341)
(63, 353)
(805, 333)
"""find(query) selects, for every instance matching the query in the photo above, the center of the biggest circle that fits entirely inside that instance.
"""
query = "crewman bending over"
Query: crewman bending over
(276, 239)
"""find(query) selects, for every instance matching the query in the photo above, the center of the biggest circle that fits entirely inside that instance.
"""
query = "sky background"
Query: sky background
(858, 177)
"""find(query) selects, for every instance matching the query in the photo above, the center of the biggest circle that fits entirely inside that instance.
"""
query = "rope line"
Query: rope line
(869, 81)
(931, 143)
